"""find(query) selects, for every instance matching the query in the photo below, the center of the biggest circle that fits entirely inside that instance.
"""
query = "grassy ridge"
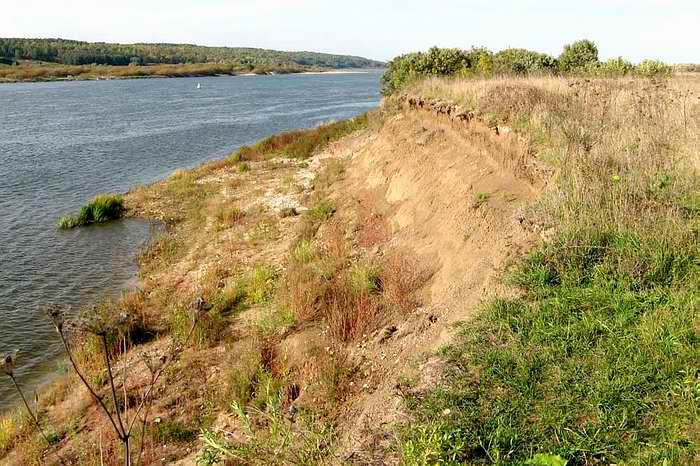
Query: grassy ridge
(301, 143)
(596, 360)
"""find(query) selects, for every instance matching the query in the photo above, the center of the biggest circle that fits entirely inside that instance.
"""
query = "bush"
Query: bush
(523, 61)
(578, 56)
(435, 62)
(101, 209)
(613, 67)
(652, 68)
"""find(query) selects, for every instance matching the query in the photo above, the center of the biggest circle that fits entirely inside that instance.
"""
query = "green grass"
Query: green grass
(596, 362)
(100, 209)
(261, 283)
(322, 210)
(480, 199)
(170, 431)
(275, 440)
(301, 143)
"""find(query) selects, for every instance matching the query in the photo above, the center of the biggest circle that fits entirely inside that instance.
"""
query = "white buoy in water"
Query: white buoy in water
(199, 86)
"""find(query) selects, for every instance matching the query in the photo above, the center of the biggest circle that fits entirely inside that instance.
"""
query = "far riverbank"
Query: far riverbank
(48, 73)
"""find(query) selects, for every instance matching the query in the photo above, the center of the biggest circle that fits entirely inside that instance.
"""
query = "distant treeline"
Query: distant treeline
(580, 57)
(69, 52)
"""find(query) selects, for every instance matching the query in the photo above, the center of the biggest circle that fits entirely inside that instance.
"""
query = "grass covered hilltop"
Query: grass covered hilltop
(489, 269)
(46, 59)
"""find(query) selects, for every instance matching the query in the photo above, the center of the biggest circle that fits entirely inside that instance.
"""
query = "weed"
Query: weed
(401, 278)
(168, 431)
(330, 174)
(307, 441)
(302, 143)
(227, 216)
(480, 199)
(321, 211)
(364, 278)
(303, 252)
(349, 314)
(261, 284)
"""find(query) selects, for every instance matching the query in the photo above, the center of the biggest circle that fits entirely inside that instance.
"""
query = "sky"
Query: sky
(380, 29)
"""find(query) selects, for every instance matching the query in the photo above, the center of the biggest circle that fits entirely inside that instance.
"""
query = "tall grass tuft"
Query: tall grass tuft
(100, 209)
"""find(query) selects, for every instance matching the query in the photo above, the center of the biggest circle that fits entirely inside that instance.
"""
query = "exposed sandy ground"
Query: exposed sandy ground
(421, 174)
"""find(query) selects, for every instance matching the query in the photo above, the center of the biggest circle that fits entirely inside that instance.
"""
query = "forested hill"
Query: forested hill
(70, 52)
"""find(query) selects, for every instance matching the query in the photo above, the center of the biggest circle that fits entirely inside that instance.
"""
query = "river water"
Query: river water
(63, 142)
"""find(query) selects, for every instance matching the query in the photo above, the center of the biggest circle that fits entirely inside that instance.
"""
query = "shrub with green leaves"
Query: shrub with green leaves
(523, 61)
(652, 68)
(435, 62)
(613, 67)
(578, 56)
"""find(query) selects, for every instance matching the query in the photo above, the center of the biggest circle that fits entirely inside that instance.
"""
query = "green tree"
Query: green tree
(578, 55)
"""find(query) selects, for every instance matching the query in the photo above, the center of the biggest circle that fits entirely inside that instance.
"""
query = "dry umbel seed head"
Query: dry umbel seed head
(57, 316)
(154, 361)
(8, 362)
(200, 307)
(95, 322)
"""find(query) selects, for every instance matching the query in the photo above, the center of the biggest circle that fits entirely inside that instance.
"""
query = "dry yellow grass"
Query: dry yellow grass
(620, 147)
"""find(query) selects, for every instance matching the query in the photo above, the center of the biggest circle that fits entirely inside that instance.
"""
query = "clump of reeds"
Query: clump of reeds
(100, 209)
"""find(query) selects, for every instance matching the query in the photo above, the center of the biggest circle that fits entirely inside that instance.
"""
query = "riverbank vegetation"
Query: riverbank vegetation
(51, 72)
(595, 359)
(48, 59)
(302, 143)
(100, 209)
(577, 58)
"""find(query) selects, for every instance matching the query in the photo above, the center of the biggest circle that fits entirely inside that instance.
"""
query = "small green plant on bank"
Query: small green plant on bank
(100, 209)
(480, 199)
(322, 210)
(275, 441)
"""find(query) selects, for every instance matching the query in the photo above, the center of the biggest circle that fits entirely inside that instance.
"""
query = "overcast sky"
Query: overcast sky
(380, 29)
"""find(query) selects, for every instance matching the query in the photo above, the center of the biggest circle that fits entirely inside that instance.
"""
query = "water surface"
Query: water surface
(64, 142)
